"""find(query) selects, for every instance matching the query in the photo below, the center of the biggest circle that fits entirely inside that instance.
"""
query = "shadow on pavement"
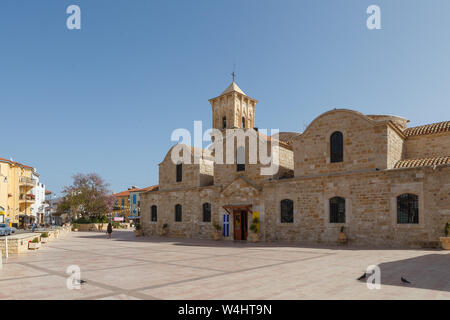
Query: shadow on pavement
(431, 271)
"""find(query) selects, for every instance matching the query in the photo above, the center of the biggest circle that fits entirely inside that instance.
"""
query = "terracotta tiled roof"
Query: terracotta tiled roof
(425, 162)
(124, 193)
(428, 129)
(127, 192)
(151, 188)
(15, 163)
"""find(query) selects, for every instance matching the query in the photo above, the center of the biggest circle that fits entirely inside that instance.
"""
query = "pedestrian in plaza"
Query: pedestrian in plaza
(109, 230)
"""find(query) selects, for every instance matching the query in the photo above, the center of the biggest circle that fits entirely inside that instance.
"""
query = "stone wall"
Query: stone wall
(17, 244)
(365, 144)
(427, 146)
(371, 210)
(191, 200)
(395, 147)
(195, 170)
(371, 207)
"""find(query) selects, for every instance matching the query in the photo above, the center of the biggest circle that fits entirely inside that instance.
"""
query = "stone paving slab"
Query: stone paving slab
(127, 267)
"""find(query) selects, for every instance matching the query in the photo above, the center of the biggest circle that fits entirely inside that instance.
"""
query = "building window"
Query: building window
(240, 159)
(407, 209)
(224, 122)
(154, 213)
(243, 122)
(179, 172)
(337, 147)
(206, 212)
(178, 213)
(337, 210)
(287, 211)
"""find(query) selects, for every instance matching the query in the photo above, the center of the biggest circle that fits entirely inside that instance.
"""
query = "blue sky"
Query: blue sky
(106, 98)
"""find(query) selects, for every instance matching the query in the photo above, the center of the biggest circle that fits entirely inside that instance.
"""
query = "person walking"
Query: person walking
(109, 230)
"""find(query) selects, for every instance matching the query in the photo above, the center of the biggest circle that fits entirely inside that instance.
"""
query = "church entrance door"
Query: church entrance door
(240, 224)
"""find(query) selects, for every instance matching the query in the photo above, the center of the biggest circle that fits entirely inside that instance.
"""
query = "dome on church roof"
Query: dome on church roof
(233, 87)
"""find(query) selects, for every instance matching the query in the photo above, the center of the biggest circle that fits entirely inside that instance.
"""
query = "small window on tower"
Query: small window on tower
(240, 159)
(243, 122)
(224, 122)
(179, 172)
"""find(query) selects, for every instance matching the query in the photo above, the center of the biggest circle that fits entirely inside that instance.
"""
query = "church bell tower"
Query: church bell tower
(233, 109)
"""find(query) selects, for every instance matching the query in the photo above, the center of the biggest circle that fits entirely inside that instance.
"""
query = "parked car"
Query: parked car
(5, 230)
(13, 230)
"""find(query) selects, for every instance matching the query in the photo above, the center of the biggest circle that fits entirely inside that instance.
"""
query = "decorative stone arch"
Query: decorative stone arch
(353, 113)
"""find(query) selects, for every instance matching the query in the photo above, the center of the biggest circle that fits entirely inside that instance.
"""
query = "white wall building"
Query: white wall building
(38, 208)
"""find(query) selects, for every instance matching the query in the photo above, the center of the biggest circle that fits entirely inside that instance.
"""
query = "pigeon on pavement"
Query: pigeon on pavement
(363, 276)
(405, 281)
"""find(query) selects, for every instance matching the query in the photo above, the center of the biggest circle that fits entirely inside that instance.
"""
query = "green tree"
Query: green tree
(88, 197)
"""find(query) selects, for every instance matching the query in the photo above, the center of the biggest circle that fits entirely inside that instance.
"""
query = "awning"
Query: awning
(232, 207)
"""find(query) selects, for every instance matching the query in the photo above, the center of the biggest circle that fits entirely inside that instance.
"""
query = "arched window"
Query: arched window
(287, 211)
(408, 208)
(337, 147)
(337, 210)
(224, 122)
(243, 122)
(240, 159)
(154, 213)
(206, 212)
(179, 172)
(178, 213)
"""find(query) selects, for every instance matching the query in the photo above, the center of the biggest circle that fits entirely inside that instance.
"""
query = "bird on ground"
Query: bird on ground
(363, 276)
(81, 281)
(405, 281)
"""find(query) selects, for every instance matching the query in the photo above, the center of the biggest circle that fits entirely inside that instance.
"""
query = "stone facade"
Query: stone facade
(382, 159)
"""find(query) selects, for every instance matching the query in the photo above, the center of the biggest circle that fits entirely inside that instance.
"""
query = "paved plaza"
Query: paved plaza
(127, 267)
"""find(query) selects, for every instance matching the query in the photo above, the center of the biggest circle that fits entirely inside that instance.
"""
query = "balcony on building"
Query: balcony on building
(26, 198)
(27, 182)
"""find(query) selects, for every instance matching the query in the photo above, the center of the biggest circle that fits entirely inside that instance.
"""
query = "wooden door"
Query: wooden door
(237, 226)
(240, 225)
(244, 223)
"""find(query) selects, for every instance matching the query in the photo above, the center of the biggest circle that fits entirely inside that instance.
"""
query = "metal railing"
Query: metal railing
(27, 181)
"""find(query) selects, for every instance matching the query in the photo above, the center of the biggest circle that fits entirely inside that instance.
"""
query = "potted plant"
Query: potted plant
(254, 236)
(164, 230)
(342, 237)
(44, 237)
(75, 227)
(138, 230)
(445, 241)
(217, 231)
(34, 244)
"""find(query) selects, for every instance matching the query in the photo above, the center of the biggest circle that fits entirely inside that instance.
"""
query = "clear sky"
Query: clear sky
(106, 98)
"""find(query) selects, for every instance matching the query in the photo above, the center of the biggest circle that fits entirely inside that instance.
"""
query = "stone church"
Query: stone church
(370, 176)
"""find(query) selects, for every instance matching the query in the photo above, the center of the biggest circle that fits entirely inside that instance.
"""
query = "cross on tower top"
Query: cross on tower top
(233, 74)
